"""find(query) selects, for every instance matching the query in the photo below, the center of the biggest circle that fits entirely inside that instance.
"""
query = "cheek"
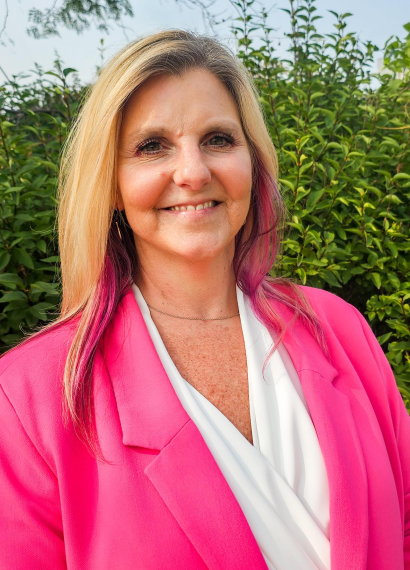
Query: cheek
(236, 177)
(140, 189)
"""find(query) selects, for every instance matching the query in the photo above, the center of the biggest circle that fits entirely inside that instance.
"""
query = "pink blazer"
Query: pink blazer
(161, 503)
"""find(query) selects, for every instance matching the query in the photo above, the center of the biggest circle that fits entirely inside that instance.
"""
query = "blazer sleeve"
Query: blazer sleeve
(31, 536)
(401, 423)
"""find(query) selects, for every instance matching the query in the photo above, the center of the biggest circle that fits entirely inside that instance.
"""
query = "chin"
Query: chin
(200, 251)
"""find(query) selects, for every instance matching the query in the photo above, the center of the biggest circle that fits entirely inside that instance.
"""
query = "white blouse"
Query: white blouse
(280, 481)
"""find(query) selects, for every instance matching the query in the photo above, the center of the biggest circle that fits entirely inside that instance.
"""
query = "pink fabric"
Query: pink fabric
(161, 502)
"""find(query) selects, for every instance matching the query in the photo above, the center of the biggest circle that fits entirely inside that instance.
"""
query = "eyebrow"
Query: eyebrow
(161, 131)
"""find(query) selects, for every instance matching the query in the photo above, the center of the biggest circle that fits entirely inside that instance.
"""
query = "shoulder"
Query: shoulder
(31, 374)
(324, 299)
(330, 314)
(333, 311)
(31, 382)
(347, 333)
(38, 356)
(350, 339)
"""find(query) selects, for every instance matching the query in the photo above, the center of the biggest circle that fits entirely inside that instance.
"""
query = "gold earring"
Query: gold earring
(119, 233)
(117, 212)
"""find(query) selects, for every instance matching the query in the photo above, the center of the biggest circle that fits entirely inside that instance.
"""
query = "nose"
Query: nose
(191, 171)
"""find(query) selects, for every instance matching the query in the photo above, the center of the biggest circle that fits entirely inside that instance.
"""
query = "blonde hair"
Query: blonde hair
(98, 268)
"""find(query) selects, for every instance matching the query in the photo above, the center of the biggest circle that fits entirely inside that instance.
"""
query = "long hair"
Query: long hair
(97, 266)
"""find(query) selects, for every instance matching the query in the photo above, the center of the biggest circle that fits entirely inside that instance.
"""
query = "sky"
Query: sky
(374, 20)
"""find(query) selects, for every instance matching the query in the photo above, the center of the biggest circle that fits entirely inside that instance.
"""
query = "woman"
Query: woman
(186, 411)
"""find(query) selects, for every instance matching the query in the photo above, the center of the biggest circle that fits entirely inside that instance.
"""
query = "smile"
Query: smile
(191, 207)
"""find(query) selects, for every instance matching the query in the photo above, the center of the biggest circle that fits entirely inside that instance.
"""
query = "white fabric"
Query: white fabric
(280, 481)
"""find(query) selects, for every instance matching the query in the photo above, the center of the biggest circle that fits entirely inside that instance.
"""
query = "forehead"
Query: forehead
(195, 97)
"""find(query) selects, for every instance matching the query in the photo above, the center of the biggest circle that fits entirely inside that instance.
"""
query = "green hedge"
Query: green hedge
(343, 144)
(34, 122)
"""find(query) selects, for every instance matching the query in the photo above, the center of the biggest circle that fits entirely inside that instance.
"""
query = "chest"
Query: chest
(212, 358)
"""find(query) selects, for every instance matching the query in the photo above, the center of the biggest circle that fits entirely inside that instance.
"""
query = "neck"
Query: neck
(202, 289)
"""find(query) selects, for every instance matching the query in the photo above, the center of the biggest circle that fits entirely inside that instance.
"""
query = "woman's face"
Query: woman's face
(184, 167)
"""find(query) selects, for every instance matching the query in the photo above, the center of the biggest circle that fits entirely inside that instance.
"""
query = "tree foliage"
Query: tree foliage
(79, 15)
(342, 138)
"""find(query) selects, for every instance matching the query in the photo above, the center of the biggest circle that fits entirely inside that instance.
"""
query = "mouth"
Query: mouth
(193, 207)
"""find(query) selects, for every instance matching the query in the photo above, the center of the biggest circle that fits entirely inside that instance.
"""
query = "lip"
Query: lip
(192, 213)
(191, 203)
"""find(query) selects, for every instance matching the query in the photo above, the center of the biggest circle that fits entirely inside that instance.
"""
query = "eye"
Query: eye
(148, 147)
(223, 139)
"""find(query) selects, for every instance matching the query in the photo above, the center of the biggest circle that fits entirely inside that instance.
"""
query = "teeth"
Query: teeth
(190, 207)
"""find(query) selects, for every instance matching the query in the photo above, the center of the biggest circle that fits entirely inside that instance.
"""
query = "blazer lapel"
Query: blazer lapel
(184, 472)
(340, 444)
(191, 484)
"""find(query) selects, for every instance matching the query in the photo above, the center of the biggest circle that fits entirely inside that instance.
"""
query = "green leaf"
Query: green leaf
(13, 189)
(68, 70)
(305, 167)
(49, 164)
(382, 339)
(24, 258)
(394, 280)
(302, 274)
(287, 183)
(24, 217)
(301, 193)
(11, 339)
(52, 259)
(45, 287)
(330, 278)
(13, 296)
(40, 310)
(341, 233)
(292, 155)
(376, 279)
(10, 278)
(336, 145)
(401, 176)
(42, 246)
(317, 94)
(393, 248)
(4, 259)
(313, 198)
(52, 73)
(357, 270)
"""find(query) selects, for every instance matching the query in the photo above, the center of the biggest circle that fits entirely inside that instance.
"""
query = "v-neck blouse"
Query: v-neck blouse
(280, 481)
